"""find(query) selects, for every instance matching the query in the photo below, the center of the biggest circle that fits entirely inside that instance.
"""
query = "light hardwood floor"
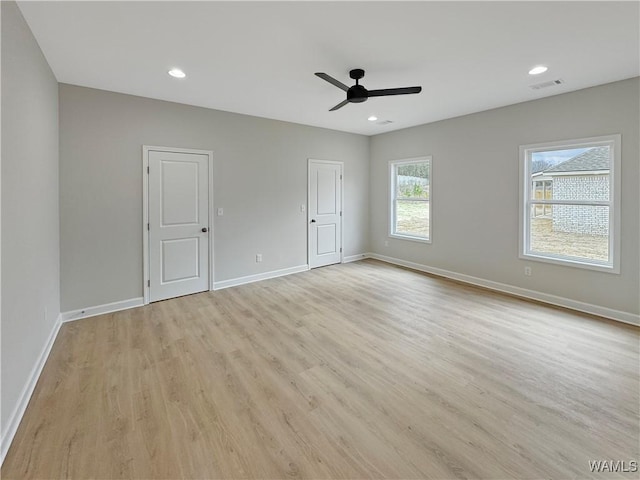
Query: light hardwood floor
(363, 370)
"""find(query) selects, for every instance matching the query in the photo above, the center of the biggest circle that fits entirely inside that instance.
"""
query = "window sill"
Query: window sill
(568, 262)
(410, 238)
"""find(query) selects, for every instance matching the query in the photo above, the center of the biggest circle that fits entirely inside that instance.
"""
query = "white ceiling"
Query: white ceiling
(258, 58)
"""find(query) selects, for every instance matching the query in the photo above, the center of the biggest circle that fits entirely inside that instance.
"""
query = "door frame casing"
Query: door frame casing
(146, 149)
(330, 162)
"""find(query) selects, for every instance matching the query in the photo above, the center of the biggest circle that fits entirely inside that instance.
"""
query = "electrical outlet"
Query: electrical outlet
(220, 212)
(527, 271)
(258, 257)
(386, 243)
(303, 208)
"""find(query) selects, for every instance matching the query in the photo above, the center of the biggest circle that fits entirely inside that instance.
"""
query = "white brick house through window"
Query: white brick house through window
(585, 176)
(569, 200)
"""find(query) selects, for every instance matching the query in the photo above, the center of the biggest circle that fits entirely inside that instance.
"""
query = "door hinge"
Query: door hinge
(340, 177)
(340, 213)
(148, 227)
(147, 169)
(148, 283)
(340, 249)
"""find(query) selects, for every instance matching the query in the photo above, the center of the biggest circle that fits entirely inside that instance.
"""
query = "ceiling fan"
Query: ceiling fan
(357, 93)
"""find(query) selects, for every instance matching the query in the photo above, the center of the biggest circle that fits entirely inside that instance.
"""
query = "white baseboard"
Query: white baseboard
(101, 309)
(259, 276)
(355, 258)
(624, 317)
(16, 416)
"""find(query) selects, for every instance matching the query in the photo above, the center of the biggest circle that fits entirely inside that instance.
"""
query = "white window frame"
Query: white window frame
(392, 198)
(613, 265)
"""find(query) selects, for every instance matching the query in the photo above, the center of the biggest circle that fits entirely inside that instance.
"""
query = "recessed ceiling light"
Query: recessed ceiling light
(538, 70)
(177, 73)
(372, 118)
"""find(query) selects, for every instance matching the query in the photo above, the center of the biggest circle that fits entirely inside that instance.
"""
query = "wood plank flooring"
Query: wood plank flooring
(363, 370)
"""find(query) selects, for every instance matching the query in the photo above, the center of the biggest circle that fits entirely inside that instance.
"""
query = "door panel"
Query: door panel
(325, 208)
(178, 213)
(179, 192)
(326, 183)
(326, 239)
(180, 259)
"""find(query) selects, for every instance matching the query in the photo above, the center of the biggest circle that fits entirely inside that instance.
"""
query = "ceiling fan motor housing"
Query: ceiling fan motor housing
(357, 94)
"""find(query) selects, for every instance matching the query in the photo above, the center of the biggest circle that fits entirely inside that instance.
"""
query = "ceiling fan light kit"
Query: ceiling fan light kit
(358, 94)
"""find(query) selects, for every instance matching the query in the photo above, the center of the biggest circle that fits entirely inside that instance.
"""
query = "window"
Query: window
(570, 196)
(411, 199)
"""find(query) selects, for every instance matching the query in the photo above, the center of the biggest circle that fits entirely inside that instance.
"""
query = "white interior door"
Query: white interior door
(178, 224)
(325, 213)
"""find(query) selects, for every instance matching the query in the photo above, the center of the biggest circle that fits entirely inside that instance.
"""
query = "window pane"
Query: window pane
(576, 174)
(412, 218)
(580, 231)
(412, 181)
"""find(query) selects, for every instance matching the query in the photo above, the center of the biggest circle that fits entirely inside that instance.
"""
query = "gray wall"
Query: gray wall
(476, 188)
(260, 179)
(30, 236)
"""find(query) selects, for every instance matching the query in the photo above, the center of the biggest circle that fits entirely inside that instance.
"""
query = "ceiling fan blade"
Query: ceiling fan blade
(394, 91)
(340, 105)
(332, 81)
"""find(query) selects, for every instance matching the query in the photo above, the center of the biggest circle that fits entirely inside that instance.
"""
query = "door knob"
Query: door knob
(205, 230)
(313, 220)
